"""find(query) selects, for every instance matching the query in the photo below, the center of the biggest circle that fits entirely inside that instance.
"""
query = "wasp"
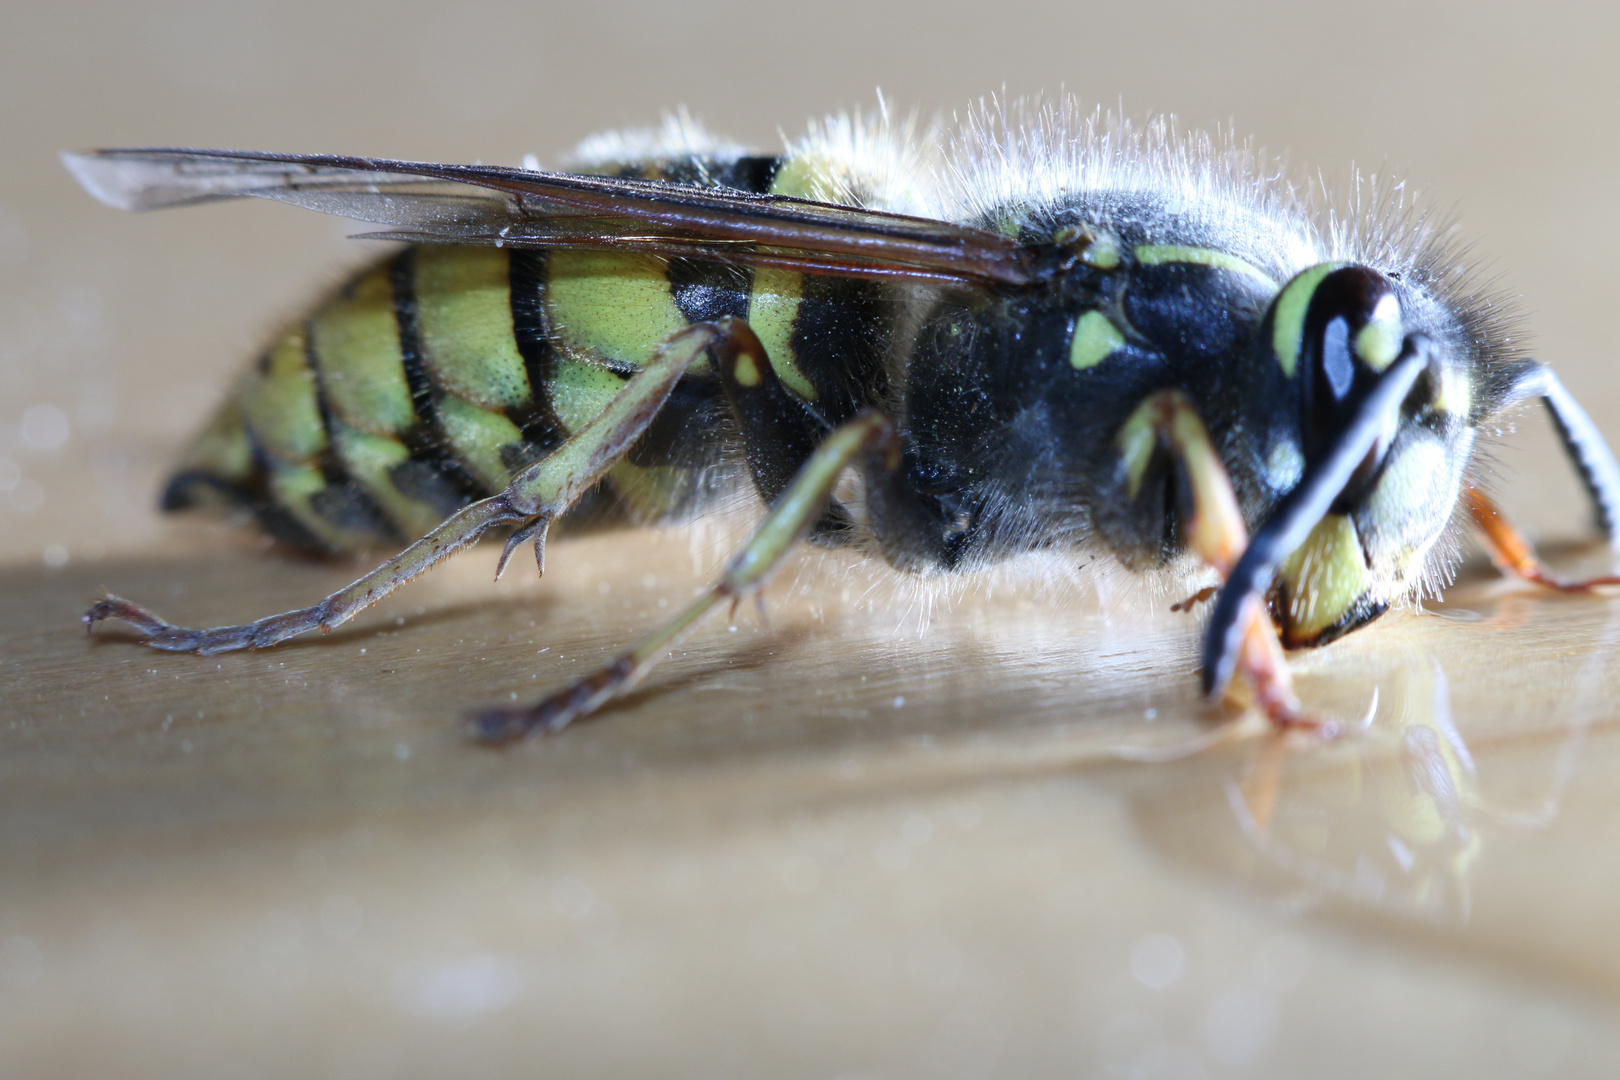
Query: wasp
(1048, 331)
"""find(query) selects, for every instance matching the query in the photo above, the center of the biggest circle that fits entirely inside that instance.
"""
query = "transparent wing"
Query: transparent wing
(497, 206)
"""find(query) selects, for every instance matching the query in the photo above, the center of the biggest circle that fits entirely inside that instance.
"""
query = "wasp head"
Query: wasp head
(1335, 329)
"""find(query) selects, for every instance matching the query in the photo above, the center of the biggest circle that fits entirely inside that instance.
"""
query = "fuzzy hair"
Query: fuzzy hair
(1007, 163)
(678, 135)
(874, 161)
(1011, 165)
(1027, 157)
(1015, 166)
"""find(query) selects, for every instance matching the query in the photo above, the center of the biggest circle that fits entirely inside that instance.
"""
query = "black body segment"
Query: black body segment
(535, 418)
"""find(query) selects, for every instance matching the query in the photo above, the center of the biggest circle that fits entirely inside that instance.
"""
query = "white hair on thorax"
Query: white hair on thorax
(679, 134)
(1011, 163)
(1003, 161)
(1036, 153)
(872, 160)
(1006, 162)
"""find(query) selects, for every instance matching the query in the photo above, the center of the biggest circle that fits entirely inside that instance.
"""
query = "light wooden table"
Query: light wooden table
(844, 847)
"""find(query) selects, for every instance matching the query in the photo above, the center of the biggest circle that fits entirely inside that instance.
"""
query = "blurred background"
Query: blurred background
(118, 333)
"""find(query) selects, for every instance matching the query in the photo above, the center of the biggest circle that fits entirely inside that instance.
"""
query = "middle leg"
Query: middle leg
(869, 435)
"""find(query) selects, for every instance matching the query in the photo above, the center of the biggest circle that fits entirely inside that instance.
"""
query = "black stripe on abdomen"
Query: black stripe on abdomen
(706, 291)
(430, 450)
(526, 276)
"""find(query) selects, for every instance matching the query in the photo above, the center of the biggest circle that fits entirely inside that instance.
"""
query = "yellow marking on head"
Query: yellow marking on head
(746, 371)
(355, 338)
(617, 307)
(1284, 465)
(1288, 324)
(1136, 442)
(1379, 342)
(464, 308)
(1407, 509)
(279, 404)
(1410, 478)
(1163, 254)
(773, 308)
(1456, 396)
(477, 436)
(1094, 339)
(1323, 577)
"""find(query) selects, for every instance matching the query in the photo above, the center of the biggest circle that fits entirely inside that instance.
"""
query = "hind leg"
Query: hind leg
(534, 499)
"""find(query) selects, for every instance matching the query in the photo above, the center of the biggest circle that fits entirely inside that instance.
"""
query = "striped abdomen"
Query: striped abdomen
(434, 376)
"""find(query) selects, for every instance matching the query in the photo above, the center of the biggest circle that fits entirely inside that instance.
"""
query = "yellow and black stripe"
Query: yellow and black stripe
(432, 377)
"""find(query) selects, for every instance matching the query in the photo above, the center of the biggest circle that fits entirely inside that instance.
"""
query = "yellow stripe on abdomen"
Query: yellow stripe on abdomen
(370, 459)
(773, 310)
(614, 307)
(477, 435)
(278, 402)
(355, 339)
(464, 312)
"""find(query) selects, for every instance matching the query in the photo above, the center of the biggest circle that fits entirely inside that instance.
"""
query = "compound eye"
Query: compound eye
(1351, 332)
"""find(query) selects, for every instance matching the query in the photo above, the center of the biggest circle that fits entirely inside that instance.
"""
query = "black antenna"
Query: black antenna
(1299, 511)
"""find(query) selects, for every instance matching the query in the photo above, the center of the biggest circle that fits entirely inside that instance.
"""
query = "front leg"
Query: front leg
(1593, 461)
(1583, 443)
(534, 499)
(1513, 554)
(1168, 421)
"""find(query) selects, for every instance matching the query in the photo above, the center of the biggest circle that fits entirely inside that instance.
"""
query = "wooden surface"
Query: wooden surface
(845, 847)
(904, 834)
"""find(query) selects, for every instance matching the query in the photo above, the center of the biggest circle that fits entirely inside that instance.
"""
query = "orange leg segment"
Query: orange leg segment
(1513, 554)
(1215, 531)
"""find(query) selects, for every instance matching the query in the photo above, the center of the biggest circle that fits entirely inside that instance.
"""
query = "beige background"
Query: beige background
(870, 843)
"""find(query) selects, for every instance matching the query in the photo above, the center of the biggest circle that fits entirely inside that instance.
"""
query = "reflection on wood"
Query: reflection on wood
(913, 801)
